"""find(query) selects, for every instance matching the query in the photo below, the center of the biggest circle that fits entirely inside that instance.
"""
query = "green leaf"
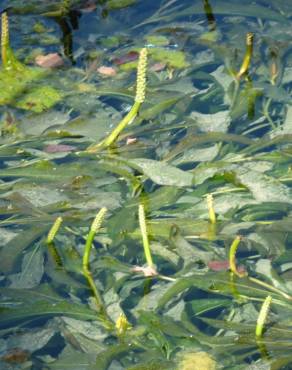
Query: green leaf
(173, 58)
(162, 173)
(264, 188)
(216, 122)
(11, 251)
(201, 306)
(228, 8)
(32, 269)
(46, 309)
(46, 171)
(119, 4)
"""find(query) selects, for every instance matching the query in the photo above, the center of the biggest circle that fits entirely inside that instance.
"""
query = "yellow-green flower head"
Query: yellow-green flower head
(141, 76)
(4, 30)
(122, 324)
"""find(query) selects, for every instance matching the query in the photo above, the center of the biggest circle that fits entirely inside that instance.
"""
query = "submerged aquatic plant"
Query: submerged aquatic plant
(9, 61)
(247, 57)
(19, 84)
(263, 316)
(210, 205)
(232, 258)
(86, 255)
(181, 158)
(139, 99)
(54, 229)
(143, 228)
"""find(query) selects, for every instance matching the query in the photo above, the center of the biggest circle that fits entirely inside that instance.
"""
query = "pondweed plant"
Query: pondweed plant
(232, 258)
(247, 57)
(50, 241)
(243, 69)
(168, 315)
(263, 316)
(86, 255)
(143, 228)
(211, 211)
(234, 270)
(139, 99)
(54, 229)
(63, 10)
(95, 226)
(9, 62)
(122, 325)
(19, 84)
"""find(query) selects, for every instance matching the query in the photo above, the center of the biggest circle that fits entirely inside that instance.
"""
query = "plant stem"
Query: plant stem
(85, 262)
(128, 119)
(270, 287)
(144, 233)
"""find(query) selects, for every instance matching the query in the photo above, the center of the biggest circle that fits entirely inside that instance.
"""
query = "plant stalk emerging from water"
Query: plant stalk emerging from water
(54, 229)
(85, 262)
(139, 99)
(211, 210)
(232, 258)
(9, 61)
(247, 57)
(233, 268)
(143, 228)
(263, 316)
(243, 69)
(4, 38)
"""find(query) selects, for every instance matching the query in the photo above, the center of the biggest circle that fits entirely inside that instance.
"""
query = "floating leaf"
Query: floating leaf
(173, 58)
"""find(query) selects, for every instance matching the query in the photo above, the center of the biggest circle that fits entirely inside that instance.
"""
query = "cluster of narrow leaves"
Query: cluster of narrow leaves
(200, 132)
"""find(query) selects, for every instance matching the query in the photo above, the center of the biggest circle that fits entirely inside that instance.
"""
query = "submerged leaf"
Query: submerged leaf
(162, 173)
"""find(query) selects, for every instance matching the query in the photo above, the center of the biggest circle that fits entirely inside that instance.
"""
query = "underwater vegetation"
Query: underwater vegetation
(145, 188)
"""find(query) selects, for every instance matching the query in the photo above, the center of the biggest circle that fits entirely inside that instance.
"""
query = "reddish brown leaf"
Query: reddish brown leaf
(16, 356)
(129, 57)
(52, 60)
(107, 71)
(59, 148)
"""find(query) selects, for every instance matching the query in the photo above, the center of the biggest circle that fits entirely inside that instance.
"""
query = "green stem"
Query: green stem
(235, 94)
(266, 113)
(270, 287)
(112, 137)
(143, 228)
(85, 261)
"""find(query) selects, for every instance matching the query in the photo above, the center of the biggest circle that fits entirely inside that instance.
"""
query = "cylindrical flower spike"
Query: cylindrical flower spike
(232, 260)
(263, 316)
(54, 229)
(4, 38)
(141, 76)
(95, 226)
(129, 118)
(247, 57)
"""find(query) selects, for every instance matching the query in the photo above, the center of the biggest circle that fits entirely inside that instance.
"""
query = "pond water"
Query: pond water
(165, 244)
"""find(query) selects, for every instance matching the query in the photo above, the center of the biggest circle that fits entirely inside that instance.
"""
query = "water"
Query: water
(208, 156)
